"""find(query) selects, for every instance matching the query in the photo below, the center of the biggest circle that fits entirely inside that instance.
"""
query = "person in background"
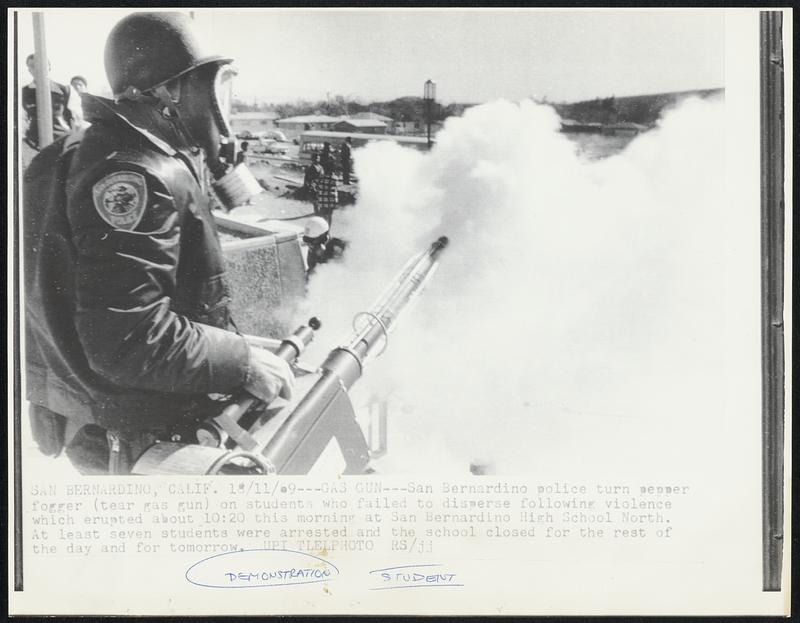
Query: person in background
(320, 247)
(312, 173)
(241, 157)
(346, 158)
(59, 98)
(79, 86)
(326, 157)
(326, 193)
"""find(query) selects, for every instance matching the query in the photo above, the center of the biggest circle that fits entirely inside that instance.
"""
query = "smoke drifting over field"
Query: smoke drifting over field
(577, 317)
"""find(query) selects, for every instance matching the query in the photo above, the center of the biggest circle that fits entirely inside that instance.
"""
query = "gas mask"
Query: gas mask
(233, 184)
(194, 125)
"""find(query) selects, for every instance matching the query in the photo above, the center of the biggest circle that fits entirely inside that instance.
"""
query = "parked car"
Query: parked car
(274, 135)
(269, 146)
(277, 135)
(244, 134)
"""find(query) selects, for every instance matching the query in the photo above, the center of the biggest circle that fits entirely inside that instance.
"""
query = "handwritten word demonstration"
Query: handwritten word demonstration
(260, 568)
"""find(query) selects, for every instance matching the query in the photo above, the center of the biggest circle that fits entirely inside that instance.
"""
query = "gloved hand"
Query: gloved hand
(269, 376)
(268, 343)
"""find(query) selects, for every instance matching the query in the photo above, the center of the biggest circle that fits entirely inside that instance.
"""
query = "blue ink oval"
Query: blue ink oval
(260, 568)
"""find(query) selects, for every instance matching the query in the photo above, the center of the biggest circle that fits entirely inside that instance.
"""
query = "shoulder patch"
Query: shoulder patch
(120, 199)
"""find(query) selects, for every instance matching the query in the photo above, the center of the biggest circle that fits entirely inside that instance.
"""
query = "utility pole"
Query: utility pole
(429, 96)
(44, 105)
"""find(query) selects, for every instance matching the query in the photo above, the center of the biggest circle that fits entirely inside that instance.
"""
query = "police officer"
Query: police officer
(320, 246)
(126, 300)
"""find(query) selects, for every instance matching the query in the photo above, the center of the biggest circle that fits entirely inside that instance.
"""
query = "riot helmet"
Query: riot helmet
(147, 50)
(316, 230)
(156, 58)
(155, 61)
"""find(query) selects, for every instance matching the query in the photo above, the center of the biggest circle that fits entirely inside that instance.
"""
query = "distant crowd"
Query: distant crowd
(320, 185)
(319, 181)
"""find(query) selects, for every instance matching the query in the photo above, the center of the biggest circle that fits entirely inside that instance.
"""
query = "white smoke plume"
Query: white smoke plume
(573, 321)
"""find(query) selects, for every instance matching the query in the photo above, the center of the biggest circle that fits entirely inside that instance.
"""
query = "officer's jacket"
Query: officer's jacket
(126, 300)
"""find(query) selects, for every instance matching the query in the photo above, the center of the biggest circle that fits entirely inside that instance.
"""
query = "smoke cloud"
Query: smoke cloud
(574, 319)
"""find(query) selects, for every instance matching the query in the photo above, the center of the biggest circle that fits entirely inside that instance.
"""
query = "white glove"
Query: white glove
(269, 376)
(268, 343)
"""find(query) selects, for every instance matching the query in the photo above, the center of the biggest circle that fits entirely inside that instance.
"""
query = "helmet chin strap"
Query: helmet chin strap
(171, 112)
(165, 105)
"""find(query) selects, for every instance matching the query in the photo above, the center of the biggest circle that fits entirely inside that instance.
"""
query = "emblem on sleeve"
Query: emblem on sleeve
(120, 199)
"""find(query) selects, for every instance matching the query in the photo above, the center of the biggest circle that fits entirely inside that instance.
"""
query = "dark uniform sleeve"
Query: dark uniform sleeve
(127, 232)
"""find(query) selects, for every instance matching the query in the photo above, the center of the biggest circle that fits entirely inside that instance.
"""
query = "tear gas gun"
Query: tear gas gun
(317, 429)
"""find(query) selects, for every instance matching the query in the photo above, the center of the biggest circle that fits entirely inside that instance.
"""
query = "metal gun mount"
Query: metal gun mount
(317, 429)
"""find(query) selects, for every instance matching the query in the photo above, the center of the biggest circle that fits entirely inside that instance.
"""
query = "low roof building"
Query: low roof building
(373, 116)
(254, 116)
(309, 119)
(369, 126)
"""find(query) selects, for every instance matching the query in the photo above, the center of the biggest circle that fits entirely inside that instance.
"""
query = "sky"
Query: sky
(474, 55)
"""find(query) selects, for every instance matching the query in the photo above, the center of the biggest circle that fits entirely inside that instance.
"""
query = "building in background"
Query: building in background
(361, 126)
(373, 116)
(407, 127)
(293, 127)
(415, 128)
(253, 122)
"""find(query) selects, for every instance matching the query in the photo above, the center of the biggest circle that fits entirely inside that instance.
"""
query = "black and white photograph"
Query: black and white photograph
(380, 311)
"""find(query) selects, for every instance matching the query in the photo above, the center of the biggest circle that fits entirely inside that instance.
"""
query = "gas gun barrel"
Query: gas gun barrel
(322, 410)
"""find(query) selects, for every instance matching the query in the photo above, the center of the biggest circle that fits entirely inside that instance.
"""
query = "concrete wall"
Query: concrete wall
(267, 278)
